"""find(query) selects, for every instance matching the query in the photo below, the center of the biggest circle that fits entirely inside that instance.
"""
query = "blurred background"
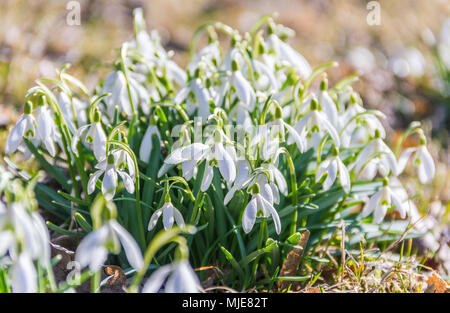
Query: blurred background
(404, 61)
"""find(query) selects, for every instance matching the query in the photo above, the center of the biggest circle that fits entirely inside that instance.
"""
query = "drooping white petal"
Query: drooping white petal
(130, 246)
(299, 140)
(398, 203)
(403, 159)
(426, 166)
(109, 183)
(371, 204)
(207, 177)
(249, 216)
(192, 152)
(168, 217)
(156, 280)
(323, 167)
(383, 204)
(226, 164)
(127, 181)
(154, 219)
(183, 279)
(329, 107)
(99, 141)
(332, 173)
(244, 90)
(91, 250)
(15, 137)
(93, 180)
(24, 276)
(76, 138)
(146, 144)
(344, 177)
(178, 218)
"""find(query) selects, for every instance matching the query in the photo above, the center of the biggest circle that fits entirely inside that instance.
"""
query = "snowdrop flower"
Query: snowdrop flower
(294, 136)
(116, 85)
(244, 90)
(24, 275)
(332, 166)
(327, 103)
(258, 204)
(182, 279)
(68, 106)
(196, 96)
(378, 150)
(381, 201)
(24, 128)
(109, 183)
(315, 124)
(421, 158)
(93, 249)
(288, 55)
(215, 155)
(21, 232)
(169, 213)
(39, 129)
(147, 143)
(93, 136)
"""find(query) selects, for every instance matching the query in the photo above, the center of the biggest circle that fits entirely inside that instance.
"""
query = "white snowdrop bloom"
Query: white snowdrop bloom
(258, 204)
(24, 128)
(21, 232)
(93, 136)
(140, 95)
(178, 277)
(109, 182)
(39, 129)
(147, 143)
(315, 125)
(289, 56)
(279, 126)
(69, 107)
(422, 159)
(357, 130)
(266, 79)
(209, 55)
(327, 103)
(196, 96)
(24, 276)
(116, 85)
(214, 153)
(170, 214)
(244, 90)
(332, 166)
(376, 149)
(93, 249)
(242, 179)
(381, 201)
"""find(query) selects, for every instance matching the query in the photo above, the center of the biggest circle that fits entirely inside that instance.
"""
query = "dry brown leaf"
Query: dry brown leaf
(436, 284)
(117, 283)
(313, 290)
(292, 262)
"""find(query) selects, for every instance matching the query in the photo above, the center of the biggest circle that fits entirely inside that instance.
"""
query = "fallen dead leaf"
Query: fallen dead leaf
(292, 262)
(436, 284)
(117, 283)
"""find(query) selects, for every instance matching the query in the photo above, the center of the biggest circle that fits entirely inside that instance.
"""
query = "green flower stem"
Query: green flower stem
(95, 282)
(293, 225)
(261, 238)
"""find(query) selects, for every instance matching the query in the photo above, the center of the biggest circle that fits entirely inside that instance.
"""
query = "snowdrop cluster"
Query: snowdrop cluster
(24, 238)
(234, 126)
